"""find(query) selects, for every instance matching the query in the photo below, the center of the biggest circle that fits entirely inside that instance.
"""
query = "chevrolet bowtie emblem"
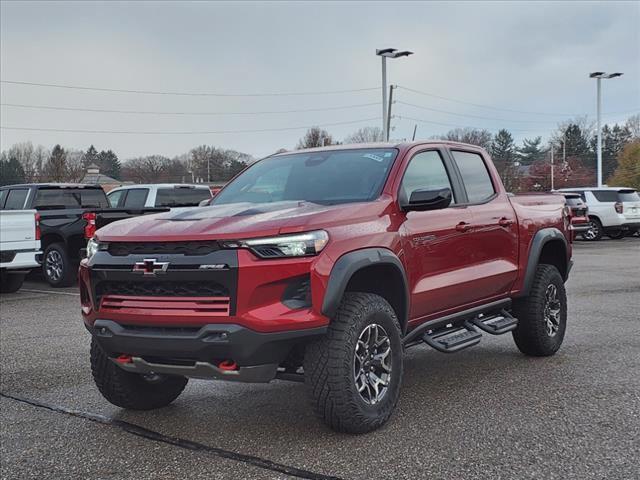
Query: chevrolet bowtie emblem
(149, 266)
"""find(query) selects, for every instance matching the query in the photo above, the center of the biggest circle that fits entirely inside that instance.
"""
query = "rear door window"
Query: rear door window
(114, 197)
(475, 176)
(136, 198)
(607, 196)
(181, 197)
(16, 199)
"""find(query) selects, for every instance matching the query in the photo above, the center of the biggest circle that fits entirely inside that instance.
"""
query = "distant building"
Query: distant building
(93, 176)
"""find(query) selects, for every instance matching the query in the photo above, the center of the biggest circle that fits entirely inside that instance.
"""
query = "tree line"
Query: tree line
(524, 167)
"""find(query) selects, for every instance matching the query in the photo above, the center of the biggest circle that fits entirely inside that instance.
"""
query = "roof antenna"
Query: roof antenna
(414, 132)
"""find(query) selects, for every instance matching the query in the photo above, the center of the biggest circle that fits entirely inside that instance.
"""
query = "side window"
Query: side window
(136, 197)
(425, 171)
(114, 198)
(605, 196)
(3, 196)
(475, 176)
(16, 199)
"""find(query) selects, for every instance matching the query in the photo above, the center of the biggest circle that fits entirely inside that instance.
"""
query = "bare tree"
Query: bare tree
(633, 124)
(315, 137)
(75, 165)
(31, 159)
(145, 169)
(474, 136)
(365, 135)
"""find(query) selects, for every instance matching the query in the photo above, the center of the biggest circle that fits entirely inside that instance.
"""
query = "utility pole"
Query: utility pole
(599, 76)
(384, 53)
(208, 169)
(386, 137)
(552, 148)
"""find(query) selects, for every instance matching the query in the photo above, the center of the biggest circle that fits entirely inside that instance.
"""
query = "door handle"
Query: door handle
(463, 226)
(505, 222)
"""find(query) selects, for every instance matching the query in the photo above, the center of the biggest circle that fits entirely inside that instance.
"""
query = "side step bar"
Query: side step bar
(453, 339)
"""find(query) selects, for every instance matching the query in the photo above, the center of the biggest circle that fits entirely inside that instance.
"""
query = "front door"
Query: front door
(434, 242)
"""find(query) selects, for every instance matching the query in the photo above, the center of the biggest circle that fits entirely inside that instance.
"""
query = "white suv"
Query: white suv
(613, 211)
(159, 195)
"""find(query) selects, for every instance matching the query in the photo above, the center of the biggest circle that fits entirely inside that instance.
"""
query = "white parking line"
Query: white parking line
(49, 291)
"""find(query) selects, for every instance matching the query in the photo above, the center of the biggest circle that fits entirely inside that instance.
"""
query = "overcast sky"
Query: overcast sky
(529, 57)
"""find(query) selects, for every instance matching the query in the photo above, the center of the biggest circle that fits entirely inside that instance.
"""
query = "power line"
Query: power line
(492, 118)
(455, 125)
(488, 106)
(190, 94)
(139, 112)
(212, 132)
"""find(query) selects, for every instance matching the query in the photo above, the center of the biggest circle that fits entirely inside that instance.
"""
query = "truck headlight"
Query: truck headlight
(297, 245)
(92, 248)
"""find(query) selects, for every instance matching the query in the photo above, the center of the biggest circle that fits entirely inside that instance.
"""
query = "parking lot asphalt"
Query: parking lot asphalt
(487, 412)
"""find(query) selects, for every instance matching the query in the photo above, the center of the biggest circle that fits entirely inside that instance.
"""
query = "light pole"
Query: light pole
(390, 53)
(599, 76)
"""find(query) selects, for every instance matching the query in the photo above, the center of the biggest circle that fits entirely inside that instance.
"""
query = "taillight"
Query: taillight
(619, 208)
(90, 227)
(38, 226)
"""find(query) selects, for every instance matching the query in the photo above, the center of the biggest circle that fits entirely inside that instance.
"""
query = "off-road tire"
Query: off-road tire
(11, 282)
(531, 335)
(596, 228)
(329, 366)
(131, 390)
(68, 273)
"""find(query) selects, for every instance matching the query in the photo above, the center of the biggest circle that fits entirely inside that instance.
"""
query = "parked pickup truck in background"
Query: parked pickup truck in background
(19, 246)
(322, 266)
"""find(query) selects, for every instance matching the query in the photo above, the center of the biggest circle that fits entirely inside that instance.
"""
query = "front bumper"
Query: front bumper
(198, 352)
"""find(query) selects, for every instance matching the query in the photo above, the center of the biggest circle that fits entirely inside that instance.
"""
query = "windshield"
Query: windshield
(329, 177)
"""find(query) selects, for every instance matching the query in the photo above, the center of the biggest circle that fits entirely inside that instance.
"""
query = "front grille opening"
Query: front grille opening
(161, 289)
(122, 249)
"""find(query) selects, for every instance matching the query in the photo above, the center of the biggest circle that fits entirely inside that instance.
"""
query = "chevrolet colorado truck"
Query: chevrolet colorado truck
(323, 266)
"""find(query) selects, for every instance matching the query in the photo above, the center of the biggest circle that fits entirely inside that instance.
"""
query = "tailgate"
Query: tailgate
(18, 230)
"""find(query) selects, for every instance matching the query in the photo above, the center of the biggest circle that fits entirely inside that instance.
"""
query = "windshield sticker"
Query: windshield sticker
(373, 157)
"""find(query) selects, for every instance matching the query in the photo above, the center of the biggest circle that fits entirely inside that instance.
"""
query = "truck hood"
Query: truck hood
(238, 220)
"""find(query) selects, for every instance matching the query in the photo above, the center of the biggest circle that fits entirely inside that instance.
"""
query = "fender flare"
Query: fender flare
(540, 239)
(350, 263)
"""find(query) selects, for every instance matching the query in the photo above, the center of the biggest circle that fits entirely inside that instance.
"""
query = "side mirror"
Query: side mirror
(429, 199)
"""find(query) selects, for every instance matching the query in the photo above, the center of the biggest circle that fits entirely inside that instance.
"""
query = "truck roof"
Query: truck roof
(399, 145)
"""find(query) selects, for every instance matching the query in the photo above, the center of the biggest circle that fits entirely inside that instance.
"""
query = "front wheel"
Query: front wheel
(132, 390)
(542, 315)
(353, 375)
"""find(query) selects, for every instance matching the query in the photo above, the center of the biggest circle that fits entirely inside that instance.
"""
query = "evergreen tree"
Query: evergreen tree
(109, 164)
(530, 151)
(577, 144)
(503, 148)
(56, 167)
(11, 170)
(91, 157)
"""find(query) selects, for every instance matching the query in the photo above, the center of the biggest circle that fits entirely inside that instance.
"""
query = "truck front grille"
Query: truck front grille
(122, 249)
(161, 289)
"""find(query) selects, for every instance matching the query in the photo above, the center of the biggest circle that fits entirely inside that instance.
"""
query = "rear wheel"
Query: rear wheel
(542, 315)
(11, 282)
(132, 390)
(616, 234)
(353, 374)
(595, 230)
(57, 267)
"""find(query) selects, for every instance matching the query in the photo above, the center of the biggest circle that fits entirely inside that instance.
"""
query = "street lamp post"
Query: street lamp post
(390, 53)
(599, 76)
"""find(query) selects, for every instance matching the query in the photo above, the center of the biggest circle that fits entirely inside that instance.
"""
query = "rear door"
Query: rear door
(493, 236)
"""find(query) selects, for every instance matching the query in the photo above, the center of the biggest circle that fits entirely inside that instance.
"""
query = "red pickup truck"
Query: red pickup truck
(322, 266)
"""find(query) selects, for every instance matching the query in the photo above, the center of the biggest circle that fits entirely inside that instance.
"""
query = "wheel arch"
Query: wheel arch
(548, 246)
(370, 270)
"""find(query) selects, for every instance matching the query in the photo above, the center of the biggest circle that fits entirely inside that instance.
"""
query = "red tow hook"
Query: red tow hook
(124, 359)
(228, 365)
